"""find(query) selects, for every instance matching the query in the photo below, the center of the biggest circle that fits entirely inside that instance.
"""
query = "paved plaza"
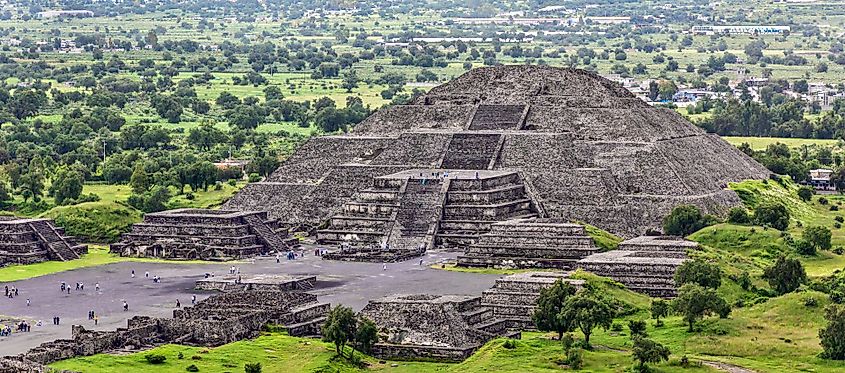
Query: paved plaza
(351, 284)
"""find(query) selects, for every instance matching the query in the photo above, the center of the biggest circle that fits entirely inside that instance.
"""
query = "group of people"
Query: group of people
(11, 292)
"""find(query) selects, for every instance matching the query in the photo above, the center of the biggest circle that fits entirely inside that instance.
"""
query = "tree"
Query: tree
(637, 328)
(818, 236)
(366, 335)
(667, 89)
(694, 302)
(154, 200)
(659, 308)
(350, 81)
(140, 181)
(264, 166)
(252, 368)
(272, 92)
(32, 185)
(67, 185)
(653, 90)
(647, 351)
(806, 193)
(699, 272)
(339, 327)
(786, 275)
(832, 336)
(547, 315)
(738, 215)
(683, 221)
(588, 310)
(773, 215)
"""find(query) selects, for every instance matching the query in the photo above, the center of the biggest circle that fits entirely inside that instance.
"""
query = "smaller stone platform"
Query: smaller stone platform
(203, 234)
(530, 243)
(645, 264)
(26, 241)
(437, 327)
(374, 254)
(256, 282)
(514, 297)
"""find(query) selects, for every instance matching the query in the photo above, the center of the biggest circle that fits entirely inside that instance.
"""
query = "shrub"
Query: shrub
(839, 219)
(699, 272)
(822, 200)
(837, 225)
(254, 177)
(744, 281)
(786, 275)
(252, 368)
(509, 344)
(738, 215)
(189, 196)
(155, 358)
(804, 247)
(637, 328)
(834, 208)
(811, 302)
(192, 368)
(574, 359)
(838, 250)
(616, 327)
(232, 182)
(831, 335)
(806, 193)
(818, 236)
(685, 220)
(773, 215)
(567, 341)
(180, 356)
(647, 351)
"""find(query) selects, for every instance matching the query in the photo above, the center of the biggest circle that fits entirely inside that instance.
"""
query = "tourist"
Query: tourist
(77, 286)
(384, 266)
(146, 274)
(7, 291)
(96, 320)
(133, 273)
(178, 304)
(68, 290)
(97, 287)
(27, 302)
(39, 323)
(16, 291)
(125, 306)
(421, 262)
(82, 286)
(194, 299)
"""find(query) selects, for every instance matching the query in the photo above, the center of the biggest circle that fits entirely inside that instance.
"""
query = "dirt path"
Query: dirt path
(725, 367)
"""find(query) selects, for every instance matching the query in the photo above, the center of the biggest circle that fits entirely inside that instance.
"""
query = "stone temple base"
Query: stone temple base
(202, 234)
(644, 264)
(27, 241)
(256, 282)
(374, 255)
(514, 297)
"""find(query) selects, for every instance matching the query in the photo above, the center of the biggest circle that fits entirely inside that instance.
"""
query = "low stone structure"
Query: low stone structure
(440, 327)
(530, 243)
(514, 297)
(256, 282)
(26, 241)
(203, 234)
(644, 264)
(223, 318)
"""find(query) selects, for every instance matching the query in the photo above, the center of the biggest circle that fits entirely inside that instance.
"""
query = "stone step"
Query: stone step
(515, 262)
(210, 240)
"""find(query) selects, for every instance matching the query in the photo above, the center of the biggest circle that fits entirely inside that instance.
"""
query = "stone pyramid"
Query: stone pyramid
(499, 143)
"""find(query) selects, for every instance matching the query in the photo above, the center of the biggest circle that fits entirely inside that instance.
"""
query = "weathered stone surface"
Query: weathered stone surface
(26, 241)
(583, 147)
(202, 234)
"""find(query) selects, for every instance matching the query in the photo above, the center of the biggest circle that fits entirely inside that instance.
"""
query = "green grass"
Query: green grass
(486, 271)
(97, 256)
(603, 239)
(760, 143)
(281, 353)
(95, 221)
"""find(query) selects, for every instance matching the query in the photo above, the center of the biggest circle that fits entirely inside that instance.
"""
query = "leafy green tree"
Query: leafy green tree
(683, 221)
(339, 327)
(647, 351)
(786, 275)
(588, 310)
(818, 236)
(637, 328)
(773, 215)
(32, 185)
(547, 316)
(264, 165)
(140, 181)
(366, 335)
(694, 302)
(738, 215)
(699, 272)
(659, 308)
(832, 336)
(153, 200)
(252, 368)
(67, 185)
(272, 92)
(206, 136)
(350, 81)
(227, 100)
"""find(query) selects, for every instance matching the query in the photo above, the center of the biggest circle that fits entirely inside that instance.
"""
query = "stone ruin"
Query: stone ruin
(644, 264)
(529, 243)
(203, 234)
(547, 142)
(26, 241)
(440, 327)
(222, 318)
(452, 327)
(256, 282)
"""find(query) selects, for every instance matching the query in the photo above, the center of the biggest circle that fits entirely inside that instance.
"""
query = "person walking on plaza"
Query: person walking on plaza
(194, 299)
(178, 304)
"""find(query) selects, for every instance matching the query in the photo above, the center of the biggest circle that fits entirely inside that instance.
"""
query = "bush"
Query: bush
(818, 236)
(738, 215)
(509, 344)
(834, 208)
(189, 196)
(685, 220)
(804, 247)
(192, 368)
(254, 178)
(574, 359)
(744, 281)
(616, 327)
(772, 215)
(839, 219)
(699, 272)
(831, 335)
(637, 328)
(839, 250)
(822, 200)
(252, 368)
(806, 193)
(155, 358)
(811, 302)
(180, 356)
(786, 275)
(232, 182)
